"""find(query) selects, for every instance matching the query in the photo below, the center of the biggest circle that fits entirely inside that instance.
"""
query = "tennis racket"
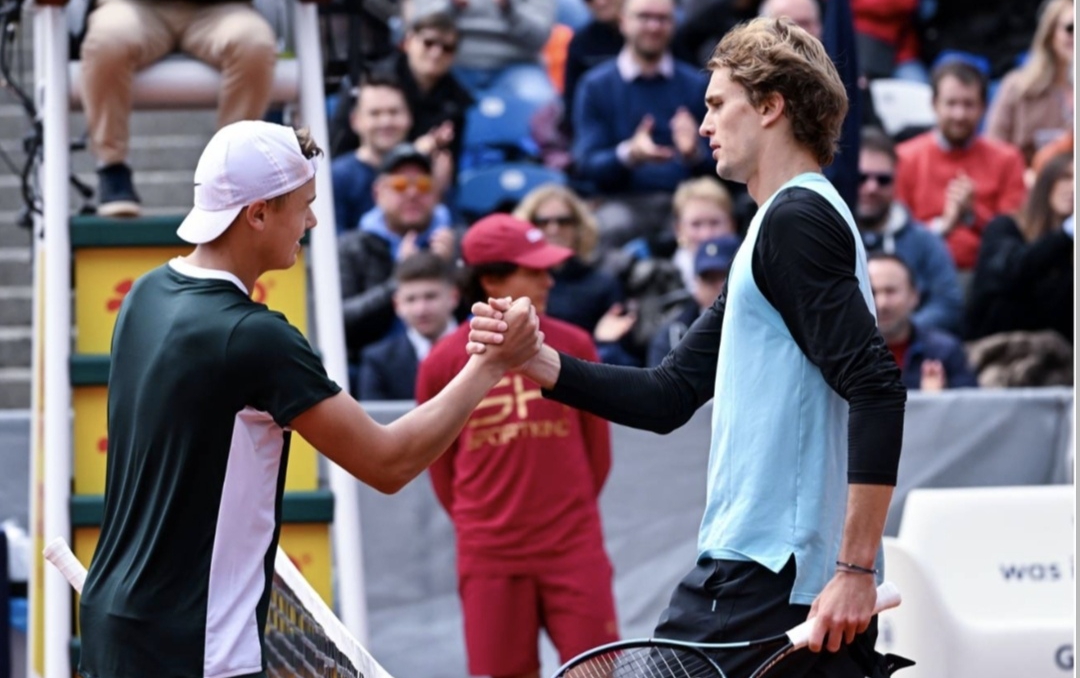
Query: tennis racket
(58, 553)
(659, 658)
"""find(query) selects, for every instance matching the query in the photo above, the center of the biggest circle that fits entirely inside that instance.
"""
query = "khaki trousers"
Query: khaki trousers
(125, 36)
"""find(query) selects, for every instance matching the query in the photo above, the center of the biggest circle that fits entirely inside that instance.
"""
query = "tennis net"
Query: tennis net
(304, 638)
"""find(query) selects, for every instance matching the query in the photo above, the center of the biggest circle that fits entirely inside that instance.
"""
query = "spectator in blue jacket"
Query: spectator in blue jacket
(636, 124)
(929, 359)
(888, 227)
(407, 218)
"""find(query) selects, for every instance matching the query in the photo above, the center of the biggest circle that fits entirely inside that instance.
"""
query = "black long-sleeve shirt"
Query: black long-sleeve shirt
(804, 265)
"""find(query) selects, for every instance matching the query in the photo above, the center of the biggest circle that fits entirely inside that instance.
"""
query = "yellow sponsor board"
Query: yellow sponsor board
(90, 438)
(307, 545)
(104, 275)
(303, 471)
(91, 445)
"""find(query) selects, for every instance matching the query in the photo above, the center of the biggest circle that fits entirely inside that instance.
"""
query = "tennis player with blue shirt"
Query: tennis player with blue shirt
(808, 405)
(204, 388)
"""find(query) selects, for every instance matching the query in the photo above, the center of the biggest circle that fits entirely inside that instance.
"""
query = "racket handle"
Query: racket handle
(888, 596)
(58, 553)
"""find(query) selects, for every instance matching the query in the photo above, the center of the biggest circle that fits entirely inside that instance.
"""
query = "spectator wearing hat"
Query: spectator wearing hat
(711, 265)
(522, 480)
(407, 218)
(929, 359)
(205, 389)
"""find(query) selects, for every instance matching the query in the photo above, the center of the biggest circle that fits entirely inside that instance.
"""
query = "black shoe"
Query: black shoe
(116, 193)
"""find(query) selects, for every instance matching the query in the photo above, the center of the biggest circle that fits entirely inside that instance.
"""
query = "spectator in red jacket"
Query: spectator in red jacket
(522, 480)
(953, 179)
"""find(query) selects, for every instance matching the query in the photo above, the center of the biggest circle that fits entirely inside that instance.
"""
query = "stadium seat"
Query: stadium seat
(497, 129)
(490, 189)
(986, 576)
(902, 104)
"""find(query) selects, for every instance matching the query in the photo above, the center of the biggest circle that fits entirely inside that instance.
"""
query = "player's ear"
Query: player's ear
(256, 214)
(771, 108)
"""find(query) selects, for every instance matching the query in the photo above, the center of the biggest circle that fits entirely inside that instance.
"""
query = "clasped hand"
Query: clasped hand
(505, 331)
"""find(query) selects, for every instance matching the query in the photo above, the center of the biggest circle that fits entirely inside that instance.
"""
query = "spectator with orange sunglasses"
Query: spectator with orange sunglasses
(407, 218)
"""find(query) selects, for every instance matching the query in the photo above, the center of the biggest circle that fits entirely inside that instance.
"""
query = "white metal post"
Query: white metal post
(35, 587)
(329, 324)
(56, 432)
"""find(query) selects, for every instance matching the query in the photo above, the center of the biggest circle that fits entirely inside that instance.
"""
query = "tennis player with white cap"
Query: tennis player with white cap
(205, 386)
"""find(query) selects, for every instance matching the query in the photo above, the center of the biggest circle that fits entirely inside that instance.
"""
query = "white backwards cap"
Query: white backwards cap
(243, 162)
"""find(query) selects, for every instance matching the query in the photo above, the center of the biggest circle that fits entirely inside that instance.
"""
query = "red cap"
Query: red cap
(503, 238)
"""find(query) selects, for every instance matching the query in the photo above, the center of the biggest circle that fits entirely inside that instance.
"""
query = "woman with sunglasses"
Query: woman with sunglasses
(583, 294)
(1035, 102)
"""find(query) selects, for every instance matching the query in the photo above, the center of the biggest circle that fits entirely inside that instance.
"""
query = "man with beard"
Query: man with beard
(953, 179)
(635, 121)
(887, 227)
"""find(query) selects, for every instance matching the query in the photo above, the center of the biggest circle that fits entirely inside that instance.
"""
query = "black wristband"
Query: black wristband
(852, 567)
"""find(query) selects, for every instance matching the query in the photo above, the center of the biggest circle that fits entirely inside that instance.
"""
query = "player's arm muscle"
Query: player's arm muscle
(387, 457)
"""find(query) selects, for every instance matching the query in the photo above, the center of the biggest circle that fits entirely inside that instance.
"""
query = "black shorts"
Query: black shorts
(723, 601)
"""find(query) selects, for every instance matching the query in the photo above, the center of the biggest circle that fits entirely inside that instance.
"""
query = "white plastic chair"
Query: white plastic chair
(987, 580)
(902, 103)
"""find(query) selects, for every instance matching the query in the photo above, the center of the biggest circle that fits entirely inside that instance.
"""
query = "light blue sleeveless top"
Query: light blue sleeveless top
(777, 481)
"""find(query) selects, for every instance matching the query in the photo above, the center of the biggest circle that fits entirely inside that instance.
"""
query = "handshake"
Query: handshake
(506, 334)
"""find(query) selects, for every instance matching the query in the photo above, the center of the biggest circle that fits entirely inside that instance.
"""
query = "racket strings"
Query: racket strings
(646, 662)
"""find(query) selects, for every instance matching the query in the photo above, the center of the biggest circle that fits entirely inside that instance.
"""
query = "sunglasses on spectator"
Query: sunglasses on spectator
(882, 178)
(402, 183)
(561, 221)
(447, 47)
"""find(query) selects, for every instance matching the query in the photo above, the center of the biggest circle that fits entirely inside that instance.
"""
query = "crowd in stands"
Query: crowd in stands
(587, 113)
